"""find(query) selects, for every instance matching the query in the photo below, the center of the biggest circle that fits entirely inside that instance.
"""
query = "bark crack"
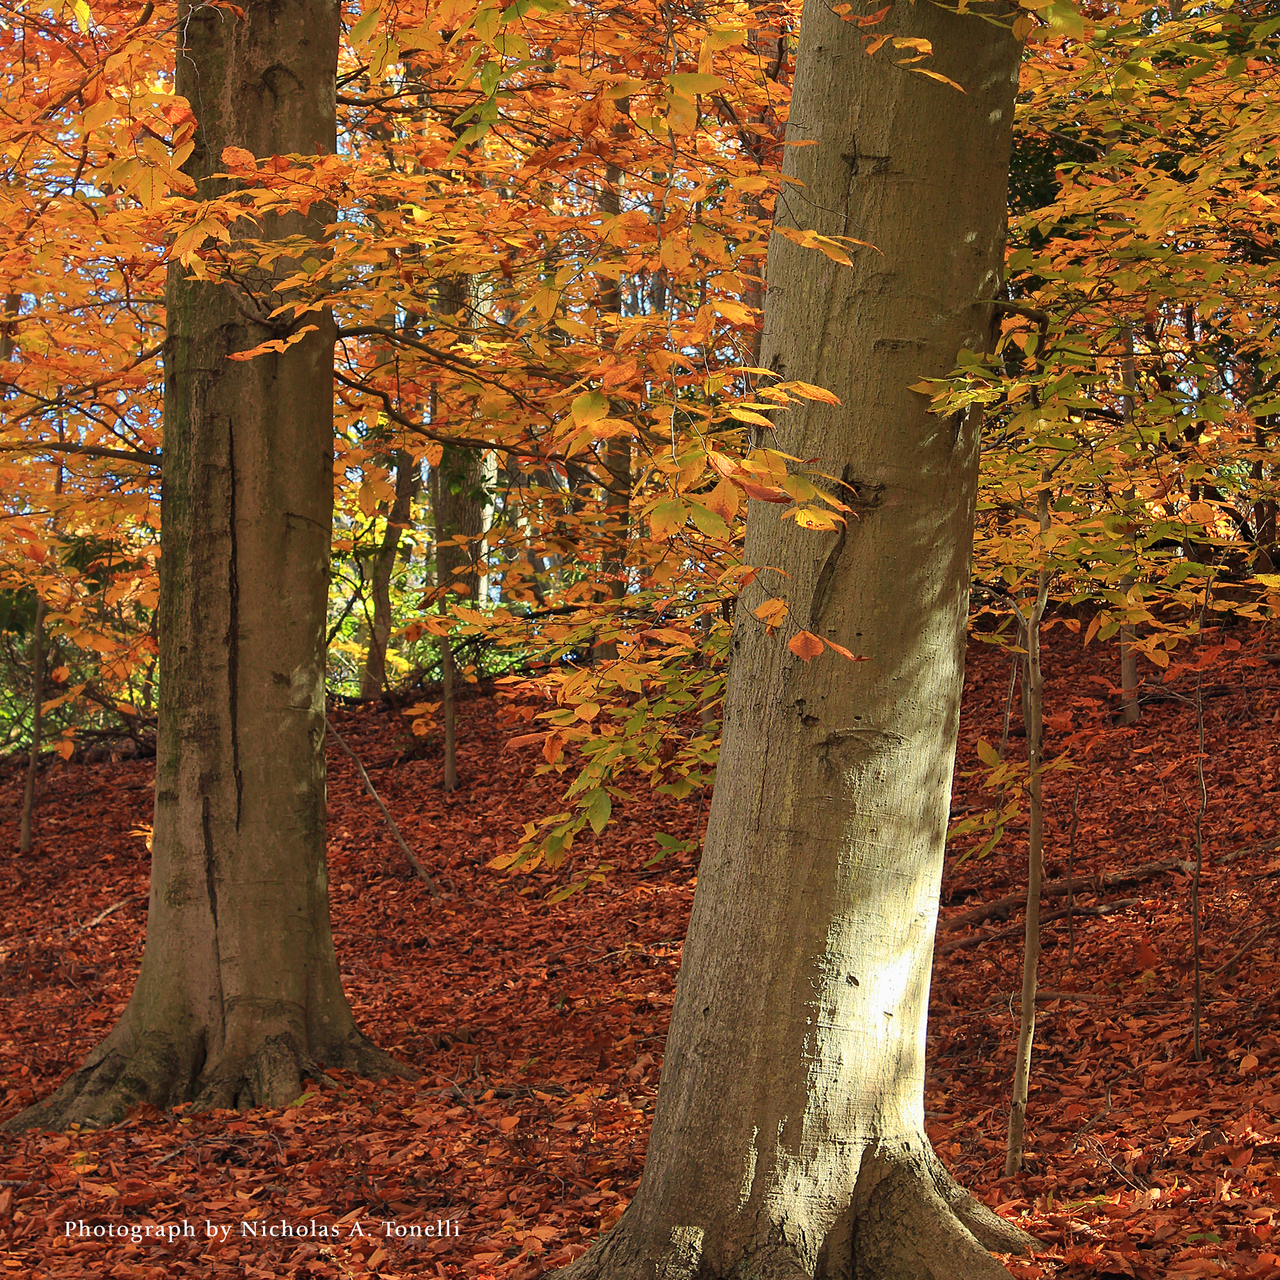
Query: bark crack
(233, 626)
(210, 878)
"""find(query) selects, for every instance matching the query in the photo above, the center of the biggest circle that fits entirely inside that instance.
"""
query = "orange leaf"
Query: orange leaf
(805, 645)
(238, 158)
(761, 492)
(846, 653)
(772, 612)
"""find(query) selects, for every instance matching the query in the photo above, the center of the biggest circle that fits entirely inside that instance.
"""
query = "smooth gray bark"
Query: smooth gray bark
(789, 1137)
(239, 992)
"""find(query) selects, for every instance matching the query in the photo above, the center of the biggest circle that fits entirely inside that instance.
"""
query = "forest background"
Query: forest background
(546, 268)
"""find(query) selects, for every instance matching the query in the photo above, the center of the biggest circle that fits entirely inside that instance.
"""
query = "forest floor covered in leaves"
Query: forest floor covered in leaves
(538, 1029)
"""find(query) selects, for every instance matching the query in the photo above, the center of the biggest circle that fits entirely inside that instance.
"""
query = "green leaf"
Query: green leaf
(1065, 17)
(598, 807)
(708, 521)
(667, 518)
(589, 407)
(988, 754)
(362, 32)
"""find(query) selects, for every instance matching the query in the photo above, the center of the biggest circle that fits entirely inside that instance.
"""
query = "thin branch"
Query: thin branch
(423, 874)
(138, 457)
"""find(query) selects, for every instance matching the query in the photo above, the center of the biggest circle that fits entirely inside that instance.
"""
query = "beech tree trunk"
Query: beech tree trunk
(789, 1136)
(239, 991)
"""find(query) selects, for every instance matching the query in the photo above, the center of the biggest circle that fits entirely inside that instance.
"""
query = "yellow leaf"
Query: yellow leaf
(100, 113)
(693, 82)
(805, 645)
(150, 188)
(807, 391)
(936, 75)
(812, 518)
(362, 32)
(625, 89)
(745, 415)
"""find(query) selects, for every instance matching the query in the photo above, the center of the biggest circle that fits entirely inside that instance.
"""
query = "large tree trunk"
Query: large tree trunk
(239, 991)
(789, 1134)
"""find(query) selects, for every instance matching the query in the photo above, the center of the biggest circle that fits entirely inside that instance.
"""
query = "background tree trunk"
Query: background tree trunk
(445, 560)
(1033, 720)
(239, 991)
(37, 702)
(617, 449)
(789, 1133)
(374, 678)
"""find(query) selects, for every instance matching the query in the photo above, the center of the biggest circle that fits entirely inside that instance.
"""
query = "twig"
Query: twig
(1047, 995)
(423, 873)
(1257, 937)
(1008, 707)
(974, 939)
(177, 1151)
(1001, 907)
(1071, 859)
(102, 915)
(1196, 1047)
(18, 943)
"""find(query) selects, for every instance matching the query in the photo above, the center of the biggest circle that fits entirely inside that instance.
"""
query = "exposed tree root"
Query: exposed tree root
(910, 1221)
(987, 1226)
(125, 1071)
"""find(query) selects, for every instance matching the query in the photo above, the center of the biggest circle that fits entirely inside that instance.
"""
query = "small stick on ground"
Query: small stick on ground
(423, 874)
(1046, 917)
(1197, 978)
(1071, 862)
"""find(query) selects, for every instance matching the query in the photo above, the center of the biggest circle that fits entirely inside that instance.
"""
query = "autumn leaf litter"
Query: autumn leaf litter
(538, 1028)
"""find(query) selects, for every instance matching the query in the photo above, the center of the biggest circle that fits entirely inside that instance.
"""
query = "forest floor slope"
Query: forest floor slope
(538, 1028)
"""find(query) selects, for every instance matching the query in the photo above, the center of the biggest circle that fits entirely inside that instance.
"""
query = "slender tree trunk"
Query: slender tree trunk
(374, 678)
(789, 1136)
(449, 709)
(37, 701)
(1033, 718)
(239, 993)
(617, 450)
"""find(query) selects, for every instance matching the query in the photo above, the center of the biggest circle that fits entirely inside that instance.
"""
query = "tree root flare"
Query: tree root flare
(157, 1070)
